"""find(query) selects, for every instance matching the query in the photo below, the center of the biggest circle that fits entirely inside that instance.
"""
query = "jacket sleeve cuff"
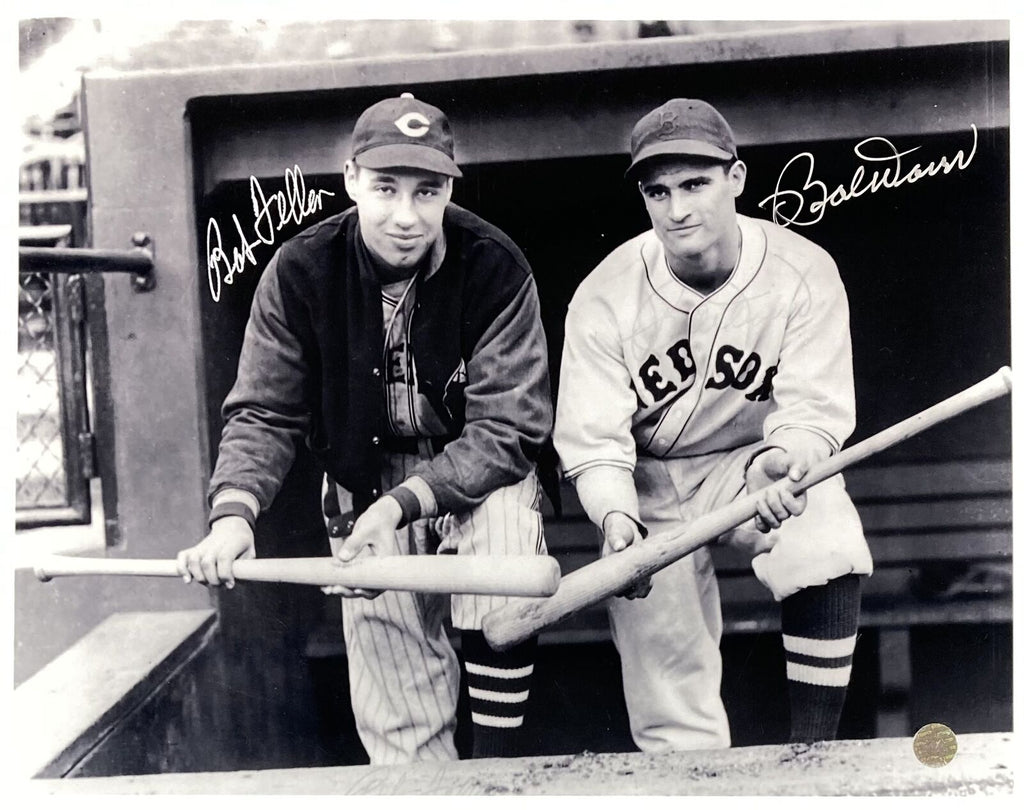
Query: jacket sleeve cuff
(228, 508)
(236, 495)
(416, 499)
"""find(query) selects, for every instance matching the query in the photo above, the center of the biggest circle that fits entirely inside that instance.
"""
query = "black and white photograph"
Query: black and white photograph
(505, 405)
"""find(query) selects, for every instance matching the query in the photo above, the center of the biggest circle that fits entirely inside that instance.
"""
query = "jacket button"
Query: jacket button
(375, 492)
(375, 441)
(376, 372)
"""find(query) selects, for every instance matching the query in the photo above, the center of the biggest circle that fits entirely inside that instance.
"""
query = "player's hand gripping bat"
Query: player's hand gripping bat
(610, 575)
(440, 573)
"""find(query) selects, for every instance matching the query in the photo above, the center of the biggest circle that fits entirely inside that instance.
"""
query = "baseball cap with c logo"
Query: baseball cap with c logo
(404, 132)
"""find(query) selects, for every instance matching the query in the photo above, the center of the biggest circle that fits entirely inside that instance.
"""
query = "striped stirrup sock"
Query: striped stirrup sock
(499, 685)
(819, 632)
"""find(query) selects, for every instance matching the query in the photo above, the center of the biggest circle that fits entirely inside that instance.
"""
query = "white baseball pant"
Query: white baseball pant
(669, 641)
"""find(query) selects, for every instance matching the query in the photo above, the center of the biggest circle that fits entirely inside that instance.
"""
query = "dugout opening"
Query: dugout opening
(542, 135)
(929, 316)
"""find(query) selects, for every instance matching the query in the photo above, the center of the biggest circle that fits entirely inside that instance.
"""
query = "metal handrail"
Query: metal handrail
(138, 261)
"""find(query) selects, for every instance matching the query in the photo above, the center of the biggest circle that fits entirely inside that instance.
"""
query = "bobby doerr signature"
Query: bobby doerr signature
(787, 204)
(293, 204)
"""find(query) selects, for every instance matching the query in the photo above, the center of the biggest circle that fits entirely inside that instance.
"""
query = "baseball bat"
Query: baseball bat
(443, 573)
(522, 618)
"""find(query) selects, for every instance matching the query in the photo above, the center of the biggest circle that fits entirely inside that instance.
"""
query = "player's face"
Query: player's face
(692, 205)
(400, 210)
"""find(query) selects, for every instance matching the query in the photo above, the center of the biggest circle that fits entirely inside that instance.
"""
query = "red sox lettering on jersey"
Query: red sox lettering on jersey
(734, 368)
(767, 351)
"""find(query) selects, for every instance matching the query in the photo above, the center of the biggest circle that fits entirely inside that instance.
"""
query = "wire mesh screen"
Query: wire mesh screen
(41, 477)
(54, 455)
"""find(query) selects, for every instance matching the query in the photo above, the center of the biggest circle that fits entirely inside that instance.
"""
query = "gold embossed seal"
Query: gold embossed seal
(935, 745)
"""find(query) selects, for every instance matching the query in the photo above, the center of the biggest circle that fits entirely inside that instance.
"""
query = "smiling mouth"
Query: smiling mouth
(405, 241)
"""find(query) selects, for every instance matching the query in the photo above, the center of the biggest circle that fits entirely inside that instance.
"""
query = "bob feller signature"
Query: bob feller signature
(293, 204)
(788, 204)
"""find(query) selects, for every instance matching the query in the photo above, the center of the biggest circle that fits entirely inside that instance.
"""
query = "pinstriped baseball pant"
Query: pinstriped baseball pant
(403, 673)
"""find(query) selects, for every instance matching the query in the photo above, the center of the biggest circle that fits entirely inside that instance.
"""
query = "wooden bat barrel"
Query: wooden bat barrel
(441, 573)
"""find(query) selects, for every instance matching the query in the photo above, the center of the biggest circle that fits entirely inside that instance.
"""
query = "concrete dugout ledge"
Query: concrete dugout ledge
(73, 704)
(884, 767)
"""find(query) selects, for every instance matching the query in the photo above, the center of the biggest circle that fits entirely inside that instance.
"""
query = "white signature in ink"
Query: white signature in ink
(787, 204)
(293, 204)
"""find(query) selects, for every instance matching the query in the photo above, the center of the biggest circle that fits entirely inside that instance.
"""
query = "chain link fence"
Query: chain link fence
(51, 478)
(41, 479)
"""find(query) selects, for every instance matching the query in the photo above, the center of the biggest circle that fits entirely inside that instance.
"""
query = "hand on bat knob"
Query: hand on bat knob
(776, 503)
(373, 534)
(210, 561)
(620, 532)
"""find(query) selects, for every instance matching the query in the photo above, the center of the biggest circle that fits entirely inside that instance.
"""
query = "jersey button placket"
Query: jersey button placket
(375, 439)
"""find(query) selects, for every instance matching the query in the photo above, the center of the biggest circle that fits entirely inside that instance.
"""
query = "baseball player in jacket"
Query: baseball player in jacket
(402, 340)
(705, 358)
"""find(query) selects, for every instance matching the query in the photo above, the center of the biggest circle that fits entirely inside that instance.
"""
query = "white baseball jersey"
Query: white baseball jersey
(652, 366)
(664, 392)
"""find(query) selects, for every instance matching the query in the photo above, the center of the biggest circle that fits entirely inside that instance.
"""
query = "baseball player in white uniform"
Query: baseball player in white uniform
(705, 358)
(402, 340)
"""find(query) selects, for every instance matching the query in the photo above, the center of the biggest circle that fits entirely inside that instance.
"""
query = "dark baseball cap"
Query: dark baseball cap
(682, 126)
(404, 132)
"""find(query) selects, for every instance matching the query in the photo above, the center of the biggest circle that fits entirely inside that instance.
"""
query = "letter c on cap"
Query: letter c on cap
(413, 124)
